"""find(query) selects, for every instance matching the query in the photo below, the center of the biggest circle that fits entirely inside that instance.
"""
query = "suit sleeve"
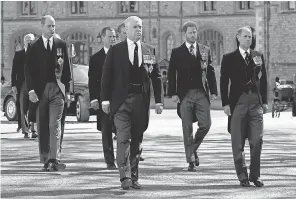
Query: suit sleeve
(94, 84)
(224, 82)
(66, 74)
(157, 83)
(107, 78)
(211, 76)
(14, 70)
(263, 83)
(29, 68)
(172, 75)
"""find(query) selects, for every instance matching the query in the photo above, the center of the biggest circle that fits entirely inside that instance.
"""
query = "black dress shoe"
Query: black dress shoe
(26, 135)
(55, 165)
(45, 168)
(136, 185)
(126, 183)
(244, 183)
(196, 159)
(191, 167)
(111, 166)
(257, 182)
(34, 135)
(141, 159)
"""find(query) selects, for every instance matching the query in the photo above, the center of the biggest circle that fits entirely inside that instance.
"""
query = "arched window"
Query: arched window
(18, 42)
(214, 40)
(169, 46)
(83, 43)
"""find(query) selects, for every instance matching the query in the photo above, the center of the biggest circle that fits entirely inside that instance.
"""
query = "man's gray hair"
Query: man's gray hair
(240, 30)
(30, 35)
(46, 17)
(135, 18)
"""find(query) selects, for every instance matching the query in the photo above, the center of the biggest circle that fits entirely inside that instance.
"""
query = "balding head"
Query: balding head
(48, 26)
(133, 27)
(28, 39)
(244, 37)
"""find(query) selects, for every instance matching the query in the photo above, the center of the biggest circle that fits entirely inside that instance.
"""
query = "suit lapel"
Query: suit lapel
(126, 59)
(240, 59)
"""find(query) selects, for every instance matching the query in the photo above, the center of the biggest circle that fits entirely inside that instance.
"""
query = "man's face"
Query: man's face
(48, 29)
(122, 34)
(191, 35)
(109, 38)
(134, 30)
(245, 39)
(28, 40)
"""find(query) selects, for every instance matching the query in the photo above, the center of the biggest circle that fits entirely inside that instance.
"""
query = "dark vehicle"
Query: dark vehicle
(79, 107)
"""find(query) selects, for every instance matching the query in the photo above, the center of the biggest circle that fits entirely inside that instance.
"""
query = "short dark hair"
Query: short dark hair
(120, 27)
(44, 18)
(103, 32)
(188, 24)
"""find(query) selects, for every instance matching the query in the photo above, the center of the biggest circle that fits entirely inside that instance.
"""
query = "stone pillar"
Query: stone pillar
(259, 16)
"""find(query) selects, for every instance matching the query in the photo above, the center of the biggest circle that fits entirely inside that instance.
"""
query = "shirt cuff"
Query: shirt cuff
(159, 104)
(95, 100)
(105, 102)
(31, 91)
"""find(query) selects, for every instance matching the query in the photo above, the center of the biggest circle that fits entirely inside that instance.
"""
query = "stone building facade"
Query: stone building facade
(79, 23)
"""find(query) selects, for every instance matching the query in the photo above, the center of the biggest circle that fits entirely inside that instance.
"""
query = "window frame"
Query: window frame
(129, 12)
(70, 3)
(28, 14)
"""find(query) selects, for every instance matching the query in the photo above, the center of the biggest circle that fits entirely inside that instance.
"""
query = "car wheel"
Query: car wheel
(10, 109)
(82, 112)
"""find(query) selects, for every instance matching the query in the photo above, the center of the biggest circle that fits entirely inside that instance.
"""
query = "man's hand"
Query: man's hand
(33, 96)
(227, 110)
(265, 108)
(14, 90)
(176, 99)
(94, 104)
(69, 99)
(106, 108)
(158, 108)
(213, 97)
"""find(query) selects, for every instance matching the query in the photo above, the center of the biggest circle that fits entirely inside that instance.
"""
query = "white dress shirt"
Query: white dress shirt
(243, 52)
(45, 40)
(188, 46)
(131, 48)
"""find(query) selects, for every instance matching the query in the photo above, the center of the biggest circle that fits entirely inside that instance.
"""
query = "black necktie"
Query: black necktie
(191, 50)
(247, 58)
(48, 46)
(136, 59)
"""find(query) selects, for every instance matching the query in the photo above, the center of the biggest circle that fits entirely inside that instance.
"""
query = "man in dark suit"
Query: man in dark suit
(125, 94)
(104, 123)
(247, 97)
(47, 76)
(121, 32)
(19, 86)
(191, 76)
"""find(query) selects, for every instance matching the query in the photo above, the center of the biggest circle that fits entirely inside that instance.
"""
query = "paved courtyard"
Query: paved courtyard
(163, 173)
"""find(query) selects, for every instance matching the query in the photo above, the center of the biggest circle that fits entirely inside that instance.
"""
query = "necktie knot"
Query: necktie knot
(191, 50)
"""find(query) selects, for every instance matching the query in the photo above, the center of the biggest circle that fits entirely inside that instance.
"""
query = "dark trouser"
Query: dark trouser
(247, 106)
(32, 112)
(194, 103)
(18, 110)
(107, 140)
(49, 115)
(24, 107)
(130, 121)
(63, 120)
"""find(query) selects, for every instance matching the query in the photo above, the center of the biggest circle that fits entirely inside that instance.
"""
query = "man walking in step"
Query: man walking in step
(47, 76)
(128, 69)
(104, 122)
(19, 86)
(247, 97)
(191, 76)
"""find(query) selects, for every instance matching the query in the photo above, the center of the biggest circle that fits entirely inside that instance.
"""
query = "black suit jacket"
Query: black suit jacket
(179, 72)
(17, 73)
(116, 77)
(233, 71)
(36, 68)
(96, 63)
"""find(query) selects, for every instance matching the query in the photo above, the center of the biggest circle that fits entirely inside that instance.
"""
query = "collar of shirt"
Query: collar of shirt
(131, 47)
(188, 46)
(106, 50)
(242, 52)
(45, 42)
